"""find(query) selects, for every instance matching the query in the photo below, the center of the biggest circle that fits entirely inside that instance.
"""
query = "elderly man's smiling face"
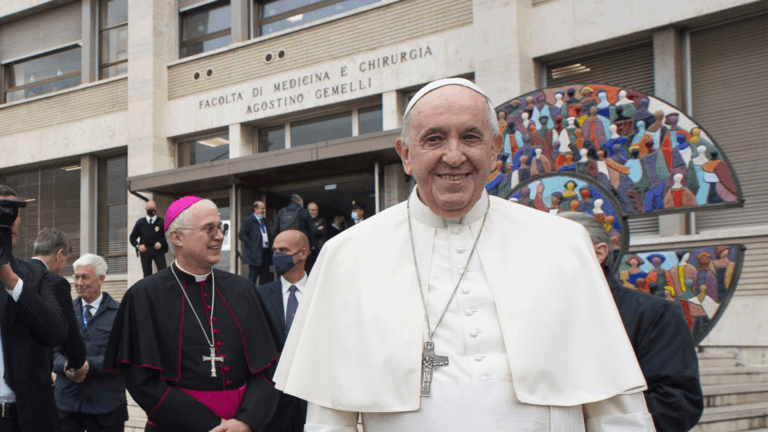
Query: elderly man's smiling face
(451, 149)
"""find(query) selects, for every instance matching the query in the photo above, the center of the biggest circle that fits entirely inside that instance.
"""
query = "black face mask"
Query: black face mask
(151, 212)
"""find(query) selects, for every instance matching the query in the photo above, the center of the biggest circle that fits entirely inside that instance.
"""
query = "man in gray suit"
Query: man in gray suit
(281, 300)
(97, 402)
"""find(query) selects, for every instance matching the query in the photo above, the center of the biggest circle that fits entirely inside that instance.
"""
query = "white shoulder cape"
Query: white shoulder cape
(356, 341)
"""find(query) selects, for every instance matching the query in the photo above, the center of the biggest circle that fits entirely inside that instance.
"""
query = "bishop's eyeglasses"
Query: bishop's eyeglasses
(211, 229)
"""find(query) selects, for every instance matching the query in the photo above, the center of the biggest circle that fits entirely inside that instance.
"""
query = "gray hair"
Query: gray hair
(490, 114)
(596, 231)
(7, 191)
(98, 263)
(49, 241)
(185, 218)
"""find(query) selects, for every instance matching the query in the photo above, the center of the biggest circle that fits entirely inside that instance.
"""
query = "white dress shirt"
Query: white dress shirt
(300, 285)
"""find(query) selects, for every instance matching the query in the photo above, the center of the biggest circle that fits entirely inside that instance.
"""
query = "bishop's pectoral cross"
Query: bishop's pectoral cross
(213, 358)
(429, 361)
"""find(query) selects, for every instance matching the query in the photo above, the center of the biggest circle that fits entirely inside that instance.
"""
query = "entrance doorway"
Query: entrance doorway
(333, 196)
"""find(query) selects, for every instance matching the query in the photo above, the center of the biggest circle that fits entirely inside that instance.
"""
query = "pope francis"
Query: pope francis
(456, 311)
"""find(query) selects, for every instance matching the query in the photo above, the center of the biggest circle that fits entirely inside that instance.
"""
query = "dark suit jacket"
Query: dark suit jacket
(29, 326)
(250, 234)
(306, 224)
(148, 235)
(291, 412)
(73, 348)
(101, 393)
(667, 356)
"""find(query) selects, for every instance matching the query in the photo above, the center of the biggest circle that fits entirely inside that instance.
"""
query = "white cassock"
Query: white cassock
(534, 340)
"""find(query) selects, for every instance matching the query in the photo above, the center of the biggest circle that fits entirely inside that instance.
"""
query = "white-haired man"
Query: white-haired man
(475, 313)
(192, 341)
(95, 402)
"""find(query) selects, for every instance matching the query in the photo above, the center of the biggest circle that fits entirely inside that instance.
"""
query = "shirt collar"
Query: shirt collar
(44, 263)
(299, 285)
(198, 278)
(96, 303)
(423, 214)
(151, 220)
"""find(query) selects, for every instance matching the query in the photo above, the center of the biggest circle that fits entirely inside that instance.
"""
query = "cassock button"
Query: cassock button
(226, 368)
(209, 307)
(469, 312)
(466, 290)
(216, 330)
(477, 357)
(473, 333)
(461, 249)
(213, 319)
(456, 230)
(219, 343)
(205, 294)
(229, 381)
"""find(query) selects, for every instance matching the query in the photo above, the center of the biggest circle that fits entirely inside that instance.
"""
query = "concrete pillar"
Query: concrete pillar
(503, 77)
(396, 187)
(669, 85)
(240, 20)
(392, 109)
(241, 140)
(88, 201)
(150, 48)
(90, 32)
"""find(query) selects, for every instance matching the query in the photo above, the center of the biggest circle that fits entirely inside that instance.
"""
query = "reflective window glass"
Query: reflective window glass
(42, 75)
(282, 6)
(322, 129)
(200, 24)
(208, 149)
(204, 46)
(272, 138)
(114, 12)
(369, 120)
(114, 44)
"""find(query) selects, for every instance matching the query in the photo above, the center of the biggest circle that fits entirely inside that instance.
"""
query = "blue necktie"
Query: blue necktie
(293, 304)
(88, 316)
(264, 241)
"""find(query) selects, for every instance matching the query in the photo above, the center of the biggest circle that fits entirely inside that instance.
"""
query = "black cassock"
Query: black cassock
(667, 356)
(159, 346)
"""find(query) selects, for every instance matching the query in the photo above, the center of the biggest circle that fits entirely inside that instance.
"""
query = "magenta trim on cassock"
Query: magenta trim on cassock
(177, 207)
(223, 403)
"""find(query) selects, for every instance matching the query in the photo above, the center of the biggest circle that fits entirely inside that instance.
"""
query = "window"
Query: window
(277, 15)
(113, 38)
(53, 201)
(43, 74)
(205, 29)
(112, 207)
(370, 120)
(321, 129)
(272, 138)
(208, 149)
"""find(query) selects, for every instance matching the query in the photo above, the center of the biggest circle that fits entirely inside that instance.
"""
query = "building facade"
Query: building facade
(106, 102)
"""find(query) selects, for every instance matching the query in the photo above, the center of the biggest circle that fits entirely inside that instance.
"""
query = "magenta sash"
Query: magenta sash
(223, 403)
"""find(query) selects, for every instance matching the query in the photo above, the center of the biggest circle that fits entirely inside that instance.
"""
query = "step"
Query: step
(734, 394)
(733, 375)
(730, 418)
(717, 359)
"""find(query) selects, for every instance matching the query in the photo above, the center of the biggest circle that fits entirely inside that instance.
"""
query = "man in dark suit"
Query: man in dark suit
(662, 342)
(51, 250)
(256, 249)
(98, 402)
(336, 227)
(295, 217)
(148, 237)
(280, 300)
(321, 233)
(30, 322)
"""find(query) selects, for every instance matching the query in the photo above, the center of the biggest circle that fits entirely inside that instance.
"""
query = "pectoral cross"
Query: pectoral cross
(429, 361)
(213, 358)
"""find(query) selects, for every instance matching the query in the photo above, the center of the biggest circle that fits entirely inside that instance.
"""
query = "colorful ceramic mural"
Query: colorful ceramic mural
(616, 153)
(700, 280)
(650, 155)
(557, 193)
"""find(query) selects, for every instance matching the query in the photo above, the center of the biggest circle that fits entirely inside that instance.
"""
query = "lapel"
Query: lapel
(5, 315)
(276, 303)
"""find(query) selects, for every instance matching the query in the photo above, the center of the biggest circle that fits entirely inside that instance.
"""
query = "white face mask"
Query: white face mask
(354, 216)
